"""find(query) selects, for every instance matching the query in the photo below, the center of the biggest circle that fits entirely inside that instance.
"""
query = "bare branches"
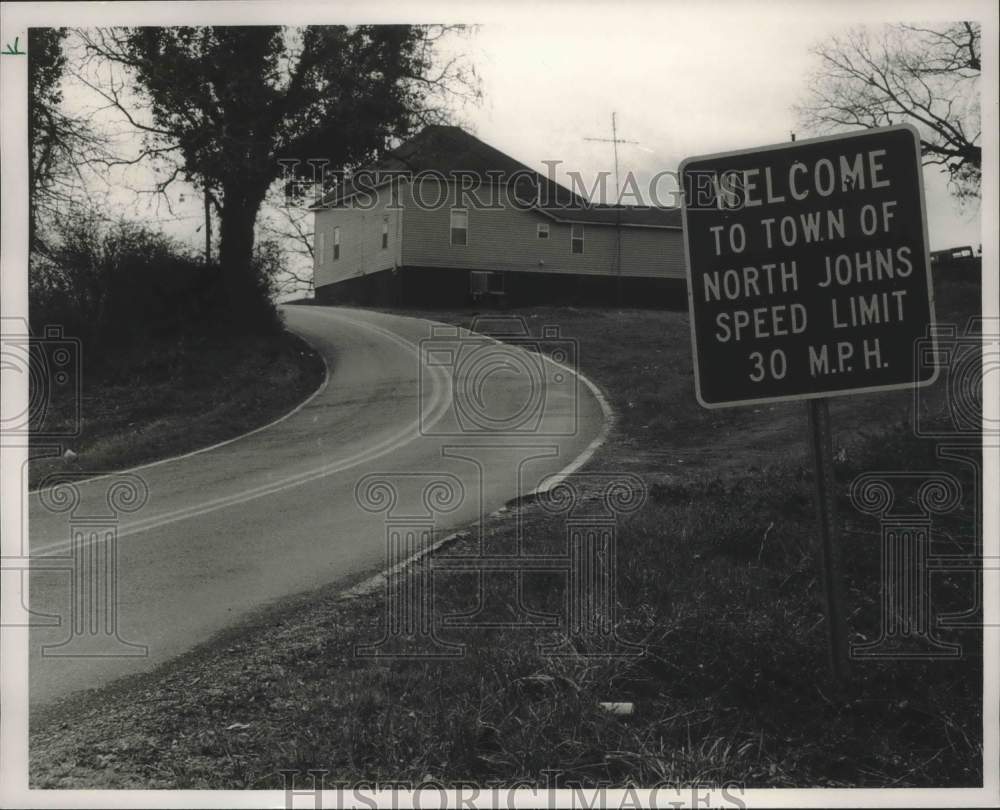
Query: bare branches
(108, 137)
(68, 150)
(291, 227)
(955, 50)
(443, 85)
(904, 73)
(224, 107)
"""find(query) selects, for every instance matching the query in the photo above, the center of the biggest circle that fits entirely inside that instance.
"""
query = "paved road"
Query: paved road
(277, 512)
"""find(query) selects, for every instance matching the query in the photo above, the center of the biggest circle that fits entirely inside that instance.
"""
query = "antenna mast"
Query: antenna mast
(614, 141)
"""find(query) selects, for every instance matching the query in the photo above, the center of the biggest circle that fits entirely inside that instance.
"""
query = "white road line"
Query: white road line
(585, 455)
(322, 387)
(374, 582)
(432, 414)
(608, 412)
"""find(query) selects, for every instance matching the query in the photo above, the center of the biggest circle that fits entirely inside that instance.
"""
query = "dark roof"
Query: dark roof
(445, 149)
(594, 214)
(448, 149)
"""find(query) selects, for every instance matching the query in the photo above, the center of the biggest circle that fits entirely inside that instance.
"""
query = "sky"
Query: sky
(680, 84)
(683, 79)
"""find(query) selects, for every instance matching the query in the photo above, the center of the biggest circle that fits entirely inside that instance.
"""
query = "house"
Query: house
(447, 220)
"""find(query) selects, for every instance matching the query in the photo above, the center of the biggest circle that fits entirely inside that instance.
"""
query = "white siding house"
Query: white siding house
(428, 237)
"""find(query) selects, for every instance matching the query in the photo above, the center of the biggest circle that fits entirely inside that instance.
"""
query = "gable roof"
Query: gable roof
(445, 150)
(448, 148)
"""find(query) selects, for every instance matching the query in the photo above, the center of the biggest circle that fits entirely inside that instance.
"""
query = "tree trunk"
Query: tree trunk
(246, 297)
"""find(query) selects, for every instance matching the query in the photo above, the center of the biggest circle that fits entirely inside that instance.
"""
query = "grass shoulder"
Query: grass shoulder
(176, 397)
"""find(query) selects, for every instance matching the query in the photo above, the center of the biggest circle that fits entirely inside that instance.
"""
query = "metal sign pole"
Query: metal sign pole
(829, 548)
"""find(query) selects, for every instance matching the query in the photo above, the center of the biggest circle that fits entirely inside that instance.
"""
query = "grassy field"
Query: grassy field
(174, 398)
(716, 580)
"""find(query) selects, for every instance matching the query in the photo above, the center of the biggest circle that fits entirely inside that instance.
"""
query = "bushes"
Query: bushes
(122, 287)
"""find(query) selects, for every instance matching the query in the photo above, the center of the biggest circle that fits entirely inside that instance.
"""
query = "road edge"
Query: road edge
(373, 583)
(149, 464)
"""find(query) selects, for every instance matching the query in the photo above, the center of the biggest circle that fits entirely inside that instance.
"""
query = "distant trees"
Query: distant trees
(905, 73)
(230, 103)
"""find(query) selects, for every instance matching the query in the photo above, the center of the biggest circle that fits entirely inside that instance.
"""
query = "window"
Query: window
(576, 238)
(485, 282)
(459, 226)
(336, 244)
(543, 230)
(385, 232)
(477, 282)
(321, 247)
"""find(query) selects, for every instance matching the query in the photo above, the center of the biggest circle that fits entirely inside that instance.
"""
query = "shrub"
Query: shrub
(122, 286)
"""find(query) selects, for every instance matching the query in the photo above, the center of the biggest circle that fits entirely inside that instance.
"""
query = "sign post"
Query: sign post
(821, 441)
(809, 277)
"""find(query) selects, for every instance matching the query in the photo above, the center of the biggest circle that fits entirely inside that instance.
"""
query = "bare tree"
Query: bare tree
(290, 224)
(905, 73)
(61, 145)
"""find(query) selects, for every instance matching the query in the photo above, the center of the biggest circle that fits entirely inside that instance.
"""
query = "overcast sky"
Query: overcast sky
(683, 82)
(683, 78)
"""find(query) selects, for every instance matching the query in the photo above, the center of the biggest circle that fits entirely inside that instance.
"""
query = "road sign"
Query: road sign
(808, 268)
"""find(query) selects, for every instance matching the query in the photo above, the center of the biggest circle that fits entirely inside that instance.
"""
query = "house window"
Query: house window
(336, 244)
(459, 226)
(321, 247)
(543, 230)
(477, 282)
(485, 282)
(385, 232)
(576, 238)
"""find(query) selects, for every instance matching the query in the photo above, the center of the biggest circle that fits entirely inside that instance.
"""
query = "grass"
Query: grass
(642, 361)
(173, 398)
(716, 578)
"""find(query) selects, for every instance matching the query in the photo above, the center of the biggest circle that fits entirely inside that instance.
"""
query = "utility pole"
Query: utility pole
(614, 141)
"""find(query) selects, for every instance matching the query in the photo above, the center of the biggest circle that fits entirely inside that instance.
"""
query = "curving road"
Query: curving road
(205, 538)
